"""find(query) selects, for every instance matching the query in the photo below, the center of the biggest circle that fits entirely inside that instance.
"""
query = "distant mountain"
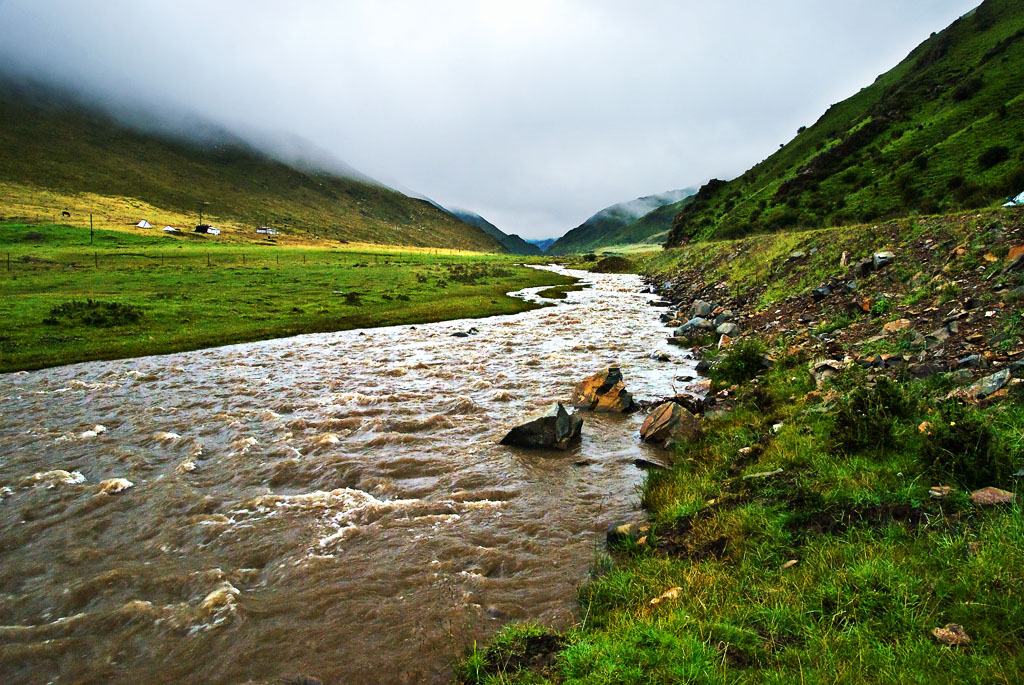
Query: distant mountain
(942, 131)
(543, 244)
(512, 243)
(56, 152)
(621, 225)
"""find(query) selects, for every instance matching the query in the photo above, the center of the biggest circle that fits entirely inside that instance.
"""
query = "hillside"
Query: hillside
(56, 154)
(942, 131)
(512, 242)
(543, 244)
(625, 223)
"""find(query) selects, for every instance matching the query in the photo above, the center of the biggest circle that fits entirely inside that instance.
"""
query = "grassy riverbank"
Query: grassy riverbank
(128, 294)
(807, 536)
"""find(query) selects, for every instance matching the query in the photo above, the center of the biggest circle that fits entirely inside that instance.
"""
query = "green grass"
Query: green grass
(878, 563)
(190, 294)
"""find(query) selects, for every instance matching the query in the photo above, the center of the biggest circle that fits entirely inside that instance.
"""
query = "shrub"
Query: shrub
(93, 313)
(868, 417)
(993, 155)
(962, 446)
(741, 363)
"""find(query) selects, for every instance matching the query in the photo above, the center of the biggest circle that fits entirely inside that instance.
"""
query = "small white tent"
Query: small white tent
(144, 224)
(171, 229)
(1016, 202)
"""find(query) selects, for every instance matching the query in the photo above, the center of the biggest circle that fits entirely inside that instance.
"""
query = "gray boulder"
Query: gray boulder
(880, 259)
(729, 329)
(553, 428)
(694, 326)
(701, 309)
(989, 384)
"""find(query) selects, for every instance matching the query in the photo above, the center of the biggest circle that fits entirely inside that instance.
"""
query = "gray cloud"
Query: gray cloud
(533, 113)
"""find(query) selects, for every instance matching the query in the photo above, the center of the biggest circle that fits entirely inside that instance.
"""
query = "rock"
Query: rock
(1015, 295)
(634, 530)
(989, 384)
(825, 369)
(897, 325)
(669, 422)
(952, 635)
(864, 266)
(723, 316)
(724, 342)
(661, 357)
(973, 361)
(821, 293)
(990, 496)
(113, 486)
(881, 259)
(792, 562)
(553, 428)
(937, 337)
(700, 309)
(604, 391)
(1014, 258)
(702, 367)
(940, 492)
(763, 474)
(694, 326)
(844, 259)
(729, 329)
(799, 254)
(460, 334)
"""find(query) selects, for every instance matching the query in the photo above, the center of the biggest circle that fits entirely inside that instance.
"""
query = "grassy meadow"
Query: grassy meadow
(135, 292)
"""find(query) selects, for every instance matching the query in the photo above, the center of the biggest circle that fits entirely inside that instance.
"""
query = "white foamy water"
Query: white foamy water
(332, 505)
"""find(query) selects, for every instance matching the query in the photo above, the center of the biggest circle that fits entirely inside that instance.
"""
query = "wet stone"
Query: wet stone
(554, 428)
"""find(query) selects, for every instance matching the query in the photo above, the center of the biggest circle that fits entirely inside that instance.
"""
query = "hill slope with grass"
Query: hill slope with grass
(512, 242)
(942, 131)
(643, 220)
(56, 153)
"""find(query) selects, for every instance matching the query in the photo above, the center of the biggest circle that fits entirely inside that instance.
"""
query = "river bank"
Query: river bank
(65, 300)
(849, 512)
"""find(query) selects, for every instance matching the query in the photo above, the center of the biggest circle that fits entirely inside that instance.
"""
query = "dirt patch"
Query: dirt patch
(836, 518)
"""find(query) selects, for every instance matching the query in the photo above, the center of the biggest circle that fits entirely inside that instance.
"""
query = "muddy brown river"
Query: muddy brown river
(333, 506)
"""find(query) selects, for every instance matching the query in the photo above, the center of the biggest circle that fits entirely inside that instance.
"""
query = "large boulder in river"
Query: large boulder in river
(553, 428)
(603, 391)
(669, 423)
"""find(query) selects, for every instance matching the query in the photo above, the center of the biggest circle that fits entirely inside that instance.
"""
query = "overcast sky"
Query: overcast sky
(535, 114)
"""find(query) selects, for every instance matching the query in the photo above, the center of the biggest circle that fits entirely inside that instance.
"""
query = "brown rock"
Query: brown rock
(898, 325)
(987, 497)
(953, 635)
(669, 422)
(604, 391)
(940, 492)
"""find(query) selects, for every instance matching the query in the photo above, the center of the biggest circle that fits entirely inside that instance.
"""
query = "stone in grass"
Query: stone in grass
(952, 634)
(604, 391)
(553, 428)
(987, 497)
(940, 492)
(989, 384)
(668, 423)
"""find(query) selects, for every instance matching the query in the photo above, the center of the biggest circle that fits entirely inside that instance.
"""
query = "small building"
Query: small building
(144, 224)
(266, 230)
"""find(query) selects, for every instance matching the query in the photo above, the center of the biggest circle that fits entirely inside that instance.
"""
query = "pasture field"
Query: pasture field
(67, 297)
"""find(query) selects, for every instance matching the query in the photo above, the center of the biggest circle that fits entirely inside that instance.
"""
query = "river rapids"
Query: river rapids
(333, 506)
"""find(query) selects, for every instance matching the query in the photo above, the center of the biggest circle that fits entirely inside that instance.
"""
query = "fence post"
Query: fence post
(96, 259)
(90, 229)
(207, 258)
(8, 262)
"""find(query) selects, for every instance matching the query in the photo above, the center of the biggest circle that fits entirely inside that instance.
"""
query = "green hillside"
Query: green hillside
(512, 242)
(57, 154)
(643, 220)
(942, 131)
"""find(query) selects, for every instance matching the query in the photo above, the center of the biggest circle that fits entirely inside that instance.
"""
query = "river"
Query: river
(333, 505)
